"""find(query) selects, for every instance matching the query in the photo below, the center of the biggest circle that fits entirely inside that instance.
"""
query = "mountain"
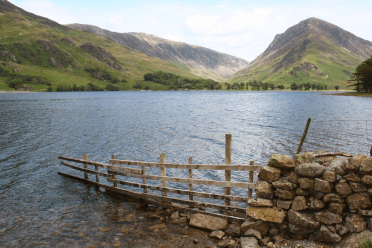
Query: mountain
(201, 61)
(38, 53)
(312, 51)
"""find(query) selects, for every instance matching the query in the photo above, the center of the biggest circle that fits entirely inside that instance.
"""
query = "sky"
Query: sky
(240, 28)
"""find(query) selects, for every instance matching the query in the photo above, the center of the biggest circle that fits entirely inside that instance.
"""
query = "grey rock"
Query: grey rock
(218, 234)
(336, 166)
(208, 222)
(343, 231)
(351, 164)
(302, 158)
(310, 170)
(252, 233)
(249, 242)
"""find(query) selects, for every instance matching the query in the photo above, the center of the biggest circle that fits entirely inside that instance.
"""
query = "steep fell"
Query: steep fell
(312, 51)
(201, 61)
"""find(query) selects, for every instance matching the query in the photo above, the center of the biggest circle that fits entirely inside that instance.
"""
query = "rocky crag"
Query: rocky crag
(200, 60)
(331, 52)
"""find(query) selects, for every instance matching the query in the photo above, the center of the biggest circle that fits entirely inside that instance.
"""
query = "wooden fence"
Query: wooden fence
(115, 168)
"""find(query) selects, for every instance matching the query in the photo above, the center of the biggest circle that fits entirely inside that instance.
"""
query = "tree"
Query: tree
(337, 87)
(50, 89)
(362, 77)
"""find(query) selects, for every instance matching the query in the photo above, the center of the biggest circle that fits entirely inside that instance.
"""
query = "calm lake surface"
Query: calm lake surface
(40, 208)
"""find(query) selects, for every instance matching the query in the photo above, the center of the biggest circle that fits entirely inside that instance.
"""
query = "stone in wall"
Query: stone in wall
(366, 167)
(281, 161)
(328, 218)
(266, 214)
(359, 200)
(355, 223)
(269, 174)
(264, 189)
(322, 186)
(326, 235)
(343, 188)
(310, 170)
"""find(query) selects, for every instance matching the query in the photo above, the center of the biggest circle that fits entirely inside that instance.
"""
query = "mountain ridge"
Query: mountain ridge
(314, 41)
(196, 58)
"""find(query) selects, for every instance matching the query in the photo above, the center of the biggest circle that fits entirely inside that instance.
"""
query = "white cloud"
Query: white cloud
(202, 24)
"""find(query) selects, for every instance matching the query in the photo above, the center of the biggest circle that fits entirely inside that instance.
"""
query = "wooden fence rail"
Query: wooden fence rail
(113, 170)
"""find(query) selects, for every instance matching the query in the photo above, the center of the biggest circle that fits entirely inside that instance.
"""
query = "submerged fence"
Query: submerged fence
(115, 170)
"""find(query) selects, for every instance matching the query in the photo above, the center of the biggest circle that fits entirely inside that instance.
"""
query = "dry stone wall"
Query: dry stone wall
(312, 197)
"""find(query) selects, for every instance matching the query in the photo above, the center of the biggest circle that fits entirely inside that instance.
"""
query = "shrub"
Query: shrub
(50, 89)
(367, 243)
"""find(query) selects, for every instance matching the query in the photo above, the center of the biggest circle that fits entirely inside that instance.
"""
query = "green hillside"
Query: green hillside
(40, 56)
(312, 60)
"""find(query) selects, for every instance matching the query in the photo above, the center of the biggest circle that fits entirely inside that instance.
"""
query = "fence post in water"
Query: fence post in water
(251, 173)
(114, 176)
(191, 197)
(97, 176)
(303, 136)
(86, 176)
(144, 179)
(163, 173)
(228, 162)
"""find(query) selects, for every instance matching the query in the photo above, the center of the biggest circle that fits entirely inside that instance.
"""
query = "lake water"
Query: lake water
(40, 208)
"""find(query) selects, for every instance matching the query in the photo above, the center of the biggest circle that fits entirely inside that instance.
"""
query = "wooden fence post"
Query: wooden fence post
(97, 176)
(163, 173)
(251, 173)
(114, 176)
(303, 136)
(86, 176)
(227, 162)
(191, 197)
(144, 179)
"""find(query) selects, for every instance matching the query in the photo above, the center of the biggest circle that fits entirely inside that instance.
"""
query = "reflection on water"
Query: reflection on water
(41, 208)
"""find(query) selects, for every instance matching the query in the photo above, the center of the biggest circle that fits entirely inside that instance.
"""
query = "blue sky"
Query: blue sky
(240, 28)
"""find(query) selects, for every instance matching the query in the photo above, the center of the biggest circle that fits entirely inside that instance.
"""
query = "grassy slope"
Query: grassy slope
(16, 29)
(332, 63)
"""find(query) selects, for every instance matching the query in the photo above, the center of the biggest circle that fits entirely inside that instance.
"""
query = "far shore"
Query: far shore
(352, 94)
